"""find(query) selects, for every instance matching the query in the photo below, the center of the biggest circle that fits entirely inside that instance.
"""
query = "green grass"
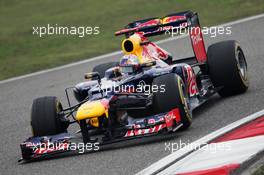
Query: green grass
(21, 52)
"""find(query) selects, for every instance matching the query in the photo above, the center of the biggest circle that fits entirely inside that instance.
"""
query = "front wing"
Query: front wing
(35, 148)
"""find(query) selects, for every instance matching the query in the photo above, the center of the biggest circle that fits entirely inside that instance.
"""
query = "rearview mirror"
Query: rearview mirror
(92, 76)
(148, 64)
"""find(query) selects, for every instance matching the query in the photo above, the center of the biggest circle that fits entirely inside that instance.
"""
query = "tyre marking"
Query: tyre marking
(183, 100)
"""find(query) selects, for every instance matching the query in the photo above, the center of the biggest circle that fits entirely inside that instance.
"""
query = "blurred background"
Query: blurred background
(21, 52)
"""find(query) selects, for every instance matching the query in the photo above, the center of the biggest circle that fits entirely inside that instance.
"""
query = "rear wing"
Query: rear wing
(156, 26)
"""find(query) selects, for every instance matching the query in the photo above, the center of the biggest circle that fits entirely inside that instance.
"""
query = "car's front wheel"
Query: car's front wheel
(174, 96)
(46, 118)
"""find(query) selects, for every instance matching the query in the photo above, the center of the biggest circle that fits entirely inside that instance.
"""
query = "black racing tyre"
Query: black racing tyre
(227, 68)
(101, 68)
(45, 119)
(175, 96)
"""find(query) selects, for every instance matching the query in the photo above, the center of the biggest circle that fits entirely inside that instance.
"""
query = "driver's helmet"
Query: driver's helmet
(129, 64)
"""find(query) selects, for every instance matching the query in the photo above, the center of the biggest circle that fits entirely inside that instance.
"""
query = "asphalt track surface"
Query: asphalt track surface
(125, 158)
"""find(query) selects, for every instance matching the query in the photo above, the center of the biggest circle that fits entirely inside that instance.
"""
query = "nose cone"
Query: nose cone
(90, 110)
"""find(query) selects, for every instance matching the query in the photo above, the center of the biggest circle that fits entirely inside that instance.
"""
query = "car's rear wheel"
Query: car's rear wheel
(46, 118)
(228, 68)
(101, 68)
(174, 96)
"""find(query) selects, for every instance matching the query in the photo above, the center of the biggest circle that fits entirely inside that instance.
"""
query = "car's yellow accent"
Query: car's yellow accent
(137, 50)
(106, 113)
(164, 20)
(90, 110)
(94, 122)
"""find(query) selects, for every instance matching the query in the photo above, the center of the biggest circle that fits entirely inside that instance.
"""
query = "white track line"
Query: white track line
(118, 52)
(181, 153)
(237, 151)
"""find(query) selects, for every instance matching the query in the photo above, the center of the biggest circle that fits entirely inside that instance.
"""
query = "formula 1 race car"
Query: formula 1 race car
(146, 93)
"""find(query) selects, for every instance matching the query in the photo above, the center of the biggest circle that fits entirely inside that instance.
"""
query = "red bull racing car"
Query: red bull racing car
(146, 93)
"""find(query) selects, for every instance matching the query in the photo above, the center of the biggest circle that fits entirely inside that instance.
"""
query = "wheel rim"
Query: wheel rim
(242, 65)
